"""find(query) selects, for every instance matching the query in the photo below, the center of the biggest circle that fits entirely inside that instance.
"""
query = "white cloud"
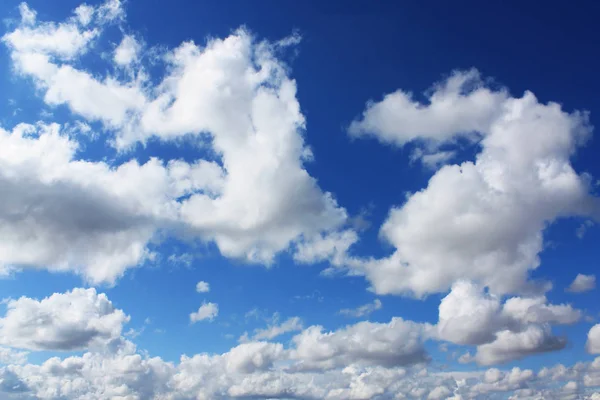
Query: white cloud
(363, 310)
(332, 247)
(502, 332)
(127, 52)
(64, 40)
(84, 14)
(68, 321)
(234, 90)
(111, 11)
(28, 15)
(593, 340)
(399, 119)
(509, 346)
(396, 343)
(207, 311)
(12, 356)
(481, 220)
(88, 217)
(275, 329)
(582, 283)
(202, 287)
(269, 370)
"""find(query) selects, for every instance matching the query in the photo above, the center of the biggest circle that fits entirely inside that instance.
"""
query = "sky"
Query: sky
(299, 200)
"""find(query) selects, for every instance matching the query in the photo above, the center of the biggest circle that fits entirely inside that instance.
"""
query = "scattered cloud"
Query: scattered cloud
(274, 329)
(202, 287)
(582, 283)
(363, 310)
(207, 311)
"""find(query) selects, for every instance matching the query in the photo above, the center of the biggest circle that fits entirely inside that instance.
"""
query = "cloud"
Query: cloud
(91, 218)
(12, 356)
(593, 340)
(202, 287)
(501, 332)
(275, 329)
(127, 52)
(582, 283)
(360, 361)
(398, 119)
(28, 15)
(509, 345)
(75, 320)
(207, 311)
(396, 343)
(363, 310)
(254, 201)
(251, 371)
(481, 220)
(64, 40)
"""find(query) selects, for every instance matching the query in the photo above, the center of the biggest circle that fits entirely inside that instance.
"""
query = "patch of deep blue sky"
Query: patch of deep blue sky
(351, 51)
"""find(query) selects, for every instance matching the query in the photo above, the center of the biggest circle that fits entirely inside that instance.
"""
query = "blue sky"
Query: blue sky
(384, 200)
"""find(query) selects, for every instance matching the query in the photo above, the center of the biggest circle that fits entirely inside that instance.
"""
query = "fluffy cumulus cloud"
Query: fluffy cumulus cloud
(474, 232)
(484, 219)
(396, 343)
(582, 283)
(74, 320)
(501, 331)
(92, 218)
(250, 371)
(234, 94)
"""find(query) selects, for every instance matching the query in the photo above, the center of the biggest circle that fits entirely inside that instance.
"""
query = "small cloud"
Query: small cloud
(582, 283)
(133, 333)
(253, 313)
(207, 311)
(583, 228)
(363, 310)
(465, 358)
(274, 329)
(184, 259)
(202, 287)
(315, 295)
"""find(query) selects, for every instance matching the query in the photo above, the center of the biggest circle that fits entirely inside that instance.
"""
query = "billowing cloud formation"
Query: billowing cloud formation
(360, 361)
(480, 220)
(397, 343)
(253, 202)
(89, 217)
(250, 371)
(502, 332)
(73, 320)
